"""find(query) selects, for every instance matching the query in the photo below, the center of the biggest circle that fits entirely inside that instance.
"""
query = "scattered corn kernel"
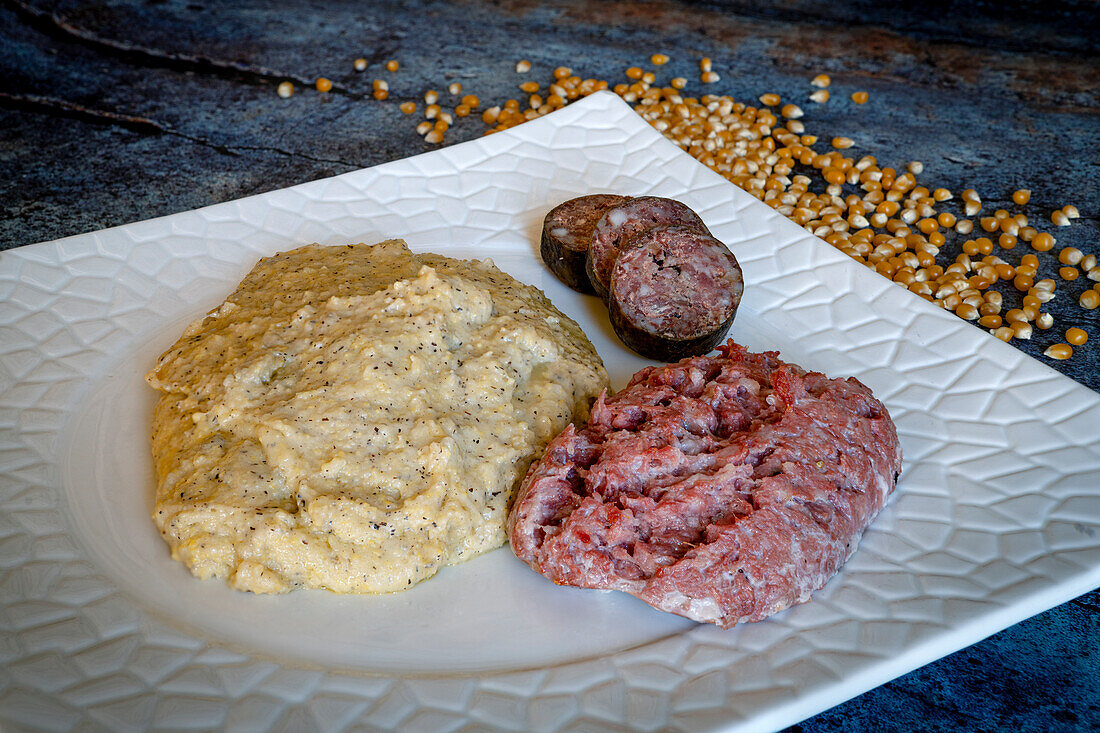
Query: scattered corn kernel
(1070, 256)
(820, 96)
(770, 99)
(658, 59)
(431, 96)
(522, 67)
(424, 128)
(705, 64)
(529, 86)
(435, 136)
(1059, 351)
(285, 89)
(408, 107)
(792, 112)
(1068, 274)
(821, 80)
(840, 143)
(1089, 300)
(1004, 333)
(1044, 321)
(392, 65)
(709, 77)
(1021, 330)
(1059, 218)
(679, 82)
(323, 84)
(455, 88)
(1042, 242)
(860, 97)
(966, 312)
(1076, 336)
(1071, 211)
(1022, 196)
(359, 64)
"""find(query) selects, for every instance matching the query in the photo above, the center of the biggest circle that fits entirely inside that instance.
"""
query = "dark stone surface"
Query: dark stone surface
(111, 112)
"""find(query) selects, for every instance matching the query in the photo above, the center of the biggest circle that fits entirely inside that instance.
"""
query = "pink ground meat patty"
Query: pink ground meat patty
(722, 488)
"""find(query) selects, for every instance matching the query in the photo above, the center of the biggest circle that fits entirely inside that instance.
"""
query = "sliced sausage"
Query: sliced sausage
(567, 233)
(626, 220)
(674, 293)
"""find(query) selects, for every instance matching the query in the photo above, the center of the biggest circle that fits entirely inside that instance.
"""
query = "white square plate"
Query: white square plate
(996, 517)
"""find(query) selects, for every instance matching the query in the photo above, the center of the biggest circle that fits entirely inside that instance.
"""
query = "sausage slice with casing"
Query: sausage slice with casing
(629, 219)
(674, 293)
(567, 234)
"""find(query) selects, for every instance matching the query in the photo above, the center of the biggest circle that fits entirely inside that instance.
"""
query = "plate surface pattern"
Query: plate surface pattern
(996, 518)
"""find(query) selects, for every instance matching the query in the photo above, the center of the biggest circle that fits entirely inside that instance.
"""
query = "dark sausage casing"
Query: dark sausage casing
(674, 293)
(567, 234)
(619, 224)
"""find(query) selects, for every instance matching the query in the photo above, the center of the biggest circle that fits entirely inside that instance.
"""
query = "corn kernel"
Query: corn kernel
(1076, 336)
(408, 107)
(1059, 351)
(1042, 242)
(323, 84)
(658, 59)
(1070, 256)
(709, 77)
(821, 80)
(522, 67)
(285, 89)
(1021, 196)
(359, 64)
(860, 97)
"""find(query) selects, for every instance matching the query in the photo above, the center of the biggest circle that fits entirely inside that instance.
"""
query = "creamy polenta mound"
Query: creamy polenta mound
(355, 418)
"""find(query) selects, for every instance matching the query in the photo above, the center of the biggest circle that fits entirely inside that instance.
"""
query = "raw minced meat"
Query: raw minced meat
(722, 488)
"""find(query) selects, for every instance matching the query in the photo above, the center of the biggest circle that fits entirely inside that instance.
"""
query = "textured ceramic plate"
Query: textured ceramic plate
(996, 517)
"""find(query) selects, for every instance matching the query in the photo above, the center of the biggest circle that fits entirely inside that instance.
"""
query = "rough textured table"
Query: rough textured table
(112, 112)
